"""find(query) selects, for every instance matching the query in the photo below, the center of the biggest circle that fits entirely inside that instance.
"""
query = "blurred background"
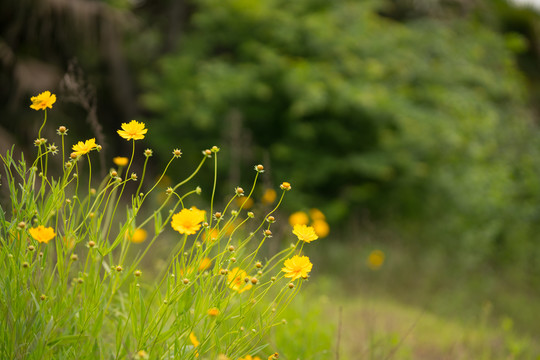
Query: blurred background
(412, 126)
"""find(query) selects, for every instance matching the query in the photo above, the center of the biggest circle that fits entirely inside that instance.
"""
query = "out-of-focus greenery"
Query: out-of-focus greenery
(423, 123)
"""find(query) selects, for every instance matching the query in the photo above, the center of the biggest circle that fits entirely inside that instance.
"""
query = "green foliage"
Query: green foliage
(423, 121)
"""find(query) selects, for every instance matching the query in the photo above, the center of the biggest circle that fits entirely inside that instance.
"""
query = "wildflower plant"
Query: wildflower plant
(70, 261)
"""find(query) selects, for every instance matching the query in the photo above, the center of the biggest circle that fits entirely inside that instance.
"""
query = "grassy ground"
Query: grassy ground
(335, 325)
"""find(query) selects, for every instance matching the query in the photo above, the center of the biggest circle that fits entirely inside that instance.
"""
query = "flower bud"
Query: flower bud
(285, 186)
(137, 273)
(177, 153)
(239, 191)
(62, 130)
(254, 281)
(119, 268)
(91, 244)
(133, 176)
(21, 225)
(148, 152)
(74, 257)
(267, 233)
(259, 168)
(258, 265)
(185, 281)
(231, 248)
(215, 149)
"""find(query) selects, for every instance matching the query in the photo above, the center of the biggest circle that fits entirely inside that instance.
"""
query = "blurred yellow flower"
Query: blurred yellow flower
(223, 357)
(193, 339)
(138, 236)
(297, 267)
(305, 233)
(205, 264)
(316, 214)
(248, 202)
(43, 101)
(236, 279)
(212, 235)
(213, 312)
(133, 130)
(248, 357)
(141, 355)
(298, 218)
(375, 259)
(82, 148)
(322, 229)
(188, 221)
(269, 196)
(120, 161)
(42, 234)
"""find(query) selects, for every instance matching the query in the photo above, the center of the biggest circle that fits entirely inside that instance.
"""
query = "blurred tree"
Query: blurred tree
(424, 121)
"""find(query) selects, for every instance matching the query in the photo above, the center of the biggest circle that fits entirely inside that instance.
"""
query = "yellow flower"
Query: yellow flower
(269, 196)
(375, 259)
(322, 229)
(133, 130)
(213, 312)
(236, 279)
(212, 235)
(138, 236)
(205, 264)
(305, 233)
(195, 342)
(43, 101)
(120, 161)
(141, 355)
(298, 218)
(42, 234)
(297, 267)
(193, 339)
(248, 357)
(248, 202)
(316, 214)
(188, 221)
(84, 148)
(223, 357)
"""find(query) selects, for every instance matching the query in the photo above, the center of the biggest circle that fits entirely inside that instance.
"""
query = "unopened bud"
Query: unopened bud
(74, 257)
(259, 168)
(285, 186)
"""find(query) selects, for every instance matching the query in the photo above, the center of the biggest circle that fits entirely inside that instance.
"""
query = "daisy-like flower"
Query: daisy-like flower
(188, 221)
(120, 161)
(82, 148)
(43, 101)
(213, 312)
(297, 267)
(42, 234)
(133, 130)
(305, 233)
(237, 280)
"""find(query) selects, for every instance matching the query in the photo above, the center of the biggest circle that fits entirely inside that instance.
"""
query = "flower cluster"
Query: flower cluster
(211, 294)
